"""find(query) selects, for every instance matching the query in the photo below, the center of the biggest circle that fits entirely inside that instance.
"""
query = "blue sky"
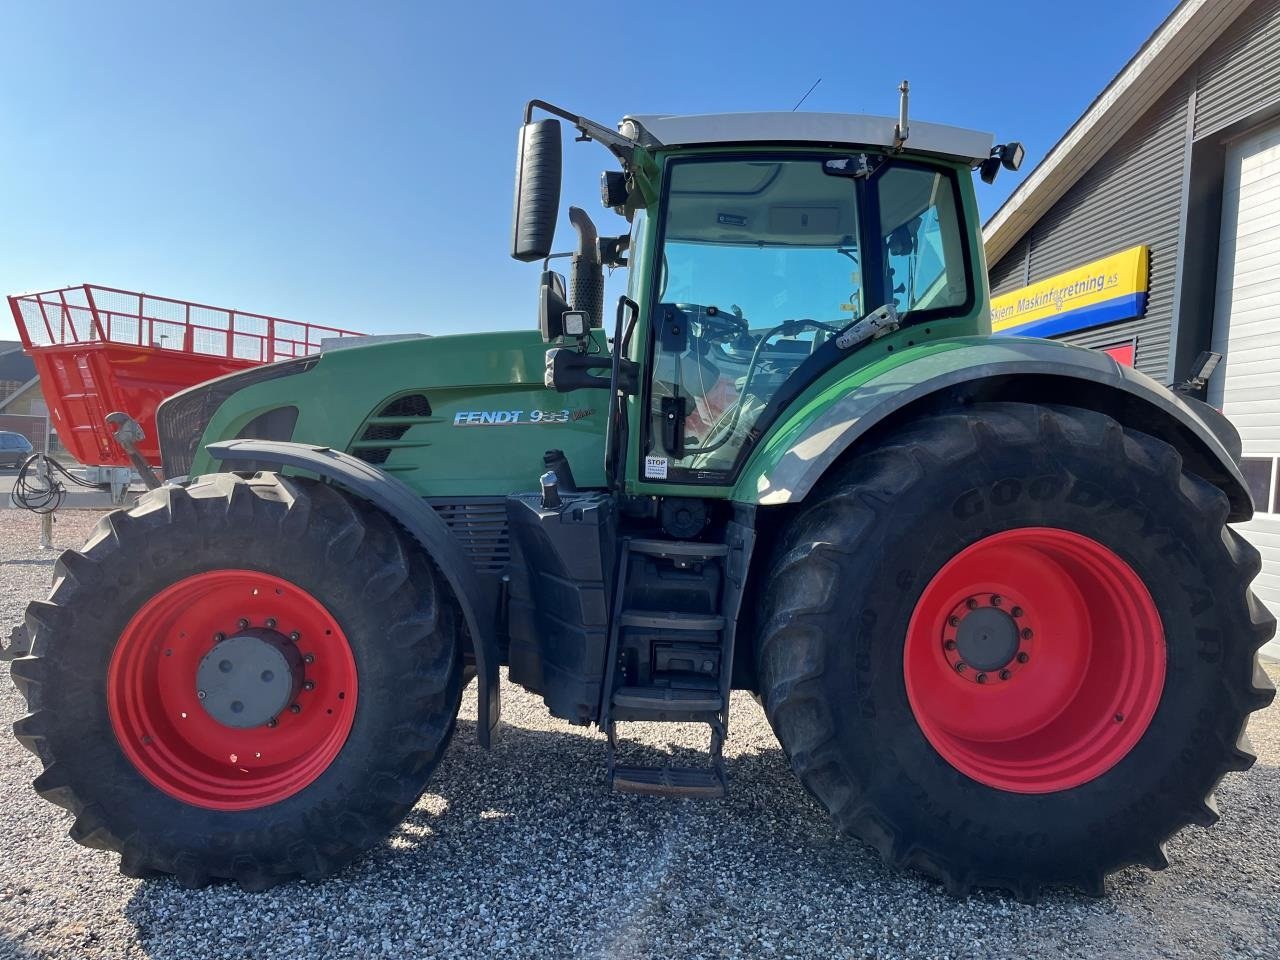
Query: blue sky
(352, 164)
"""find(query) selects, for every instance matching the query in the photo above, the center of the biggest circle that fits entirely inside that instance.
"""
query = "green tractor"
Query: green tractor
(984, 587)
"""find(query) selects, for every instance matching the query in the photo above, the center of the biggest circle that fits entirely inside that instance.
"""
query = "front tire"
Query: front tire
(1105, 607)
(345, 635)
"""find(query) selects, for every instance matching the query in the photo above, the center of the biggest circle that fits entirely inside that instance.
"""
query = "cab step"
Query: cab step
(678, 704)
(678, 549)
(662, 620)
(670, 665)
(702, 783)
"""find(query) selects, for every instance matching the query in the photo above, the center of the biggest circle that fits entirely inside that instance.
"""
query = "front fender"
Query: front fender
(974, 369)
(394, 497)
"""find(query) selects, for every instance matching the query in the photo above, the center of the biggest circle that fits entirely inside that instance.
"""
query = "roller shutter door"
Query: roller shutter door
(1247, 333)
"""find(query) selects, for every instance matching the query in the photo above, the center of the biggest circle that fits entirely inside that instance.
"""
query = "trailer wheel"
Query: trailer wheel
(249, 679)
(1014, 647)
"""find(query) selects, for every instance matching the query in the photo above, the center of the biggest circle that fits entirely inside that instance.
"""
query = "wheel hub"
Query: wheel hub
(248, 679)
(987, 639)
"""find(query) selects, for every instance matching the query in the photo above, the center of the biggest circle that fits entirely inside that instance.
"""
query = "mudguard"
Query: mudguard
(394, 497)
(787, 466)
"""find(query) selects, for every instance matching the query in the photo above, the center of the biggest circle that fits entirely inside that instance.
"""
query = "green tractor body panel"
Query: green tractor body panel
(489, 419)
(834, 413)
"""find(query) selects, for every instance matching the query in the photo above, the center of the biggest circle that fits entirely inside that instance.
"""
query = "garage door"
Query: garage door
(1247, 333)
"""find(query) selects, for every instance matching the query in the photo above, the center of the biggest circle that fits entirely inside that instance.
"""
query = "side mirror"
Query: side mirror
(537, 201)
(551, 306)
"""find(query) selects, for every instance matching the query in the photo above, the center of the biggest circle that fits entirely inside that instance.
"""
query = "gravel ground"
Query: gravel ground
(523, 853)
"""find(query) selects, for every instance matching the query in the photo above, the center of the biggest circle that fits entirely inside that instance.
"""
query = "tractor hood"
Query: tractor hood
(464, 414)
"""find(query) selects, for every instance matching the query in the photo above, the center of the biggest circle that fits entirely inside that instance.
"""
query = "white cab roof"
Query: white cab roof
(816, 128)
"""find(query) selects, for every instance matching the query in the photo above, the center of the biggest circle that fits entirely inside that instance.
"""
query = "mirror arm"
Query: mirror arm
(590, 130)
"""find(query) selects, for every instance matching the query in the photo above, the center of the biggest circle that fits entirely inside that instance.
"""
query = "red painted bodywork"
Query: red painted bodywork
(99, 349)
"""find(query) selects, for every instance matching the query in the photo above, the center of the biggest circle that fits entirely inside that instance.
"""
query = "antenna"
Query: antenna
(806, 95)
(902, 130)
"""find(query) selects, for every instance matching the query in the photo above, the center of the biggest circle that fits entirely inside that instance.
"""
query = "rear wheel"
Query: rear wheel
(246, 679)
(1014, 647)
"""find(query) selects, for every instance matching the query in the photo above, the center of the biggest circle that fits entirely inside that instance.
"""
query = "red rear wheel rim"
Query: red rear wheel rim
(1068, 659)
(157, 712)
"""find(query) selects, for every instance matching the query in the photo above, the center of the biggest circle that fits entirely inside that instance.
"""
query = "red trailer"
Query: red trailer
(98, 349)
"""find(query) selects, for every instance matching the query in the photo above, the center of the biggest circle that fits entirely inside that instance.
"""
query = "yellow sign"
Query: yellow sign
(1106, 290)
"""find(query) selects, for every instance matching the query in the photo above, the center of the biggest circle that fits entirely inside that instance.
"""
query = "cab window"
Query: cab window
(761, 264)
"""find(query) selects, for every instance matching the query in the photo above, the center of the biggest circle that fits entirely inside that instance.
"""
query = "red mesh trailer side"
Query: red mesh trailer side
(101, 349)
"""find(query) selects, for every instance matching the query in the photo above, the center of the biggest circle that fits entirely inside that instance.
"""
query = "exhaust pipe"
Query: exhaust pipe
(586, 270)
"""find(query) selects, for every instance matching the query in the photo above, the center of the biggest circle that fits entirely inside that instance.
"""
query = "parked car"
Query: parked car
(14, 448)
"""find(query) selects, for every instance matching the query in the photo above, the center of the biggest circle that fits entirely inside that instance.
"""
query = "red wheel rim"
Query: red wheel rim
(1085, 660)
(157, 712)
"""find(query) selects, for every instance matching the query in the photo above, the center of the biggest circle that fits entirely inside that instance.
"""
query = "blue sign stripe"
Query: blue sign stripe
(1109, 311)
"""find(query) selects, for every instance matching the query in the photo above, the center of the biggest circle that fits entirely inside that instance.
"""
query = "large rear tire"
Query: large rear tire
(329, 648)
(1014, 647)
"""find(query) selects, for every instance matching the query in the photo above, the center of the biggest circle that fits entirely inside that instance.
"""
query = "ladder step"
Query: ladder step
(669, 782)
(678, 549)
(661, 620)
(668, 699)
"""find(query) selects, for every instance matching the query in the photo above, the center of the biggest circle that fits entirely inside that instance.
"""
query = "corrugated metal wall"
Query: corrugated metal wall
(1240, 73)
(1008, 274)
(1134, 194)
(1131, 196)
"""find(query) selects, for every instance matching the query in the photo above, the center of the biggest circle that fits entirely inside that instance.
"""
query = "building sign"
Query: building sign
(1110, 289)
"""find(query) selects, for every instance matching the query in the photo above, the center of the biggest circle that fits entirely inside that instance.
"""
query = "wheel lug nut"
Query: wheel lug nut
(971, 603)
(953, 621)
(272, 722)
(295, 636)
(219, 637)
(271, 623)
(996, 600)
(309, 658)
(961, 667)
(1016, 611)
(308, 685)
(950, 644)
(242, 623)
(294, 708)
(1026, 633)
(201, 694)
(1024, 657)
(1005, 674)
(981, 678)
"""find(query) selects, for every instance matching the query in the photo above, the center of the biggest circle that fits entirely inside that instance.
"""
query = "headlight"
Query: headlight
(182, 419)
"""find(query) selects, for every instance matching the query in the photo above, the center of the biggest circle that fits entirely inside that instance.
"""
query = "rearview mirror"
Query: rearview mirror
(551, 306)
(537, 201)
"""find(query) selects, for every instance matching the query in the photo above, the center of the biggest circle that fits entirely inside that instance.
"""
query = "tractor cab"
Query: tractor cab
(765, 249)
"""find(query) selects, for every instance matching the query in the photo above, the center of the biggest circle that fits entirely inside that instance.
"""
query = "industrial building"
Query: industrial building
(1151, 231)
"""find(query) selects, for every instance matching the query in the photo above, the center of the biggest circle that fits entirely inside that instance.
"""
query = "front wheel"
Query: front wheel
(245, 679)
(1014, 647)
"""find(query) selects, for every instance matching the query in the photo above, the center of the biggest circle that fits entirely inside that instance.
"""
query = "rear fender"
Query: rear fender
(977, 369)
(397, 500)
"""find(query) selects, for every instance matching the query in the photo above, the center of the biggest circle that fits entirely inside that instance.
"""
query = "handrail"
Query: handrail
(253, 337)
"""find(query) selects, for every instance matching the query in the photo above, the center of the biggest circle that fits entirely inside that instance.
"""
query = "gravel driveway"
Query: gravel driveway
(522, 852)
